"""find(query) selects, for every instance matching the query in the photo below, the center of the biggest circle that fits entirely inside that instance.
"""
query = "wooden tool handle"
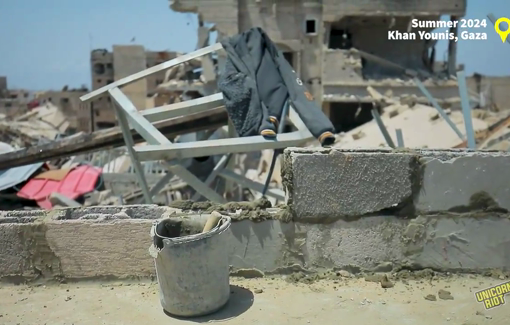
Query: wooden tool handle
(212, 221)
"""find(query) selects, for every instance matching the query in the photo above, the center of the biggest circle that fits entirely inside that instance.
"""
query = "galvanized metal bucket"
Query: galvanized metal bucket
(192, 270)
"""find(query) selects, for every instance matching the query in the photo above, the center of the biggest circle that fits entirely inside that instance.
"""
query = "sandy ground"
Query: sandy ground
(259, 301)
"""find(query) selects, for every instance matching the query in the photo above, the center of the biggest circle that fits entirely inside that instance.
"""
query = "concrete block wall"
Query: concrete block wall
(444, 209)
(333, 183)
(375, 210)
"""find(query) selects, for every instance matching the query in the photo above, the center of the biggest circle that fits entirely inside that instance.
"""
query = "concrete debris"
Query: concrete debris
(430, 297)
(43, 123)
(61, 200)
(420, 127)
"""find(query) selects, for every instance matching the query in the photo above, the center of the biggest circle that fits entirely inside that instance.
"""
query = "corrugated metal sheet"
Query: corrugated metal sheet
(81, 180)
(14, 176)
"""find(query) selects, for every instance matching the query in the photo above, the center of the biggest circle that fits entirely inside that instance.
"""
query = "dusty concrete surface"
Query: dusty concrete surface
(260, 301)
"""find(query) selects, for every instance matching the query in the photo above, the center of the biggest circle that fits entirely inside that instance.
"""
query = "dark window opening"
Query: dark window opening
(96, 112)
(311, 26)
(109, 66)
(347, 116)
(289, 56)
(99, 68)
(340, 39)
(104, 125)
(109, 81)
(8, 104)
(98, 81)
(159, 81)
(64, 100)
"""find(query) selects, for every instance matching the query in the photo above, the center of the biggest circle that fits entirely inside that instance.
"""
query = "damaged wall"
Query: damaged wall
(371, 35)
(223, 13)
(494, 89)
(334, 9)
(77, 113)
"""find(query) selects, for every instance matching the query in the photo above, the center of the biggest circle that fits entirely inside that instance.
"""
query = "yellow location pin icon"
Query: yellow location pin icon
(502, 34)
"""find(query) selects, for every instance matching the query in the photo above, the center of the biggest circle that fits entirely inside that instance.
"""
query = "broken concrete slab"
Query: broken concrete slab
(60, 199)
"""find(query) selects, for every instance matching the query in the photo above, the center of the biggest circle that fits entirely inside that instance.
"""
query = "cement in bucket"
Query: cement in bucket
(192, 267)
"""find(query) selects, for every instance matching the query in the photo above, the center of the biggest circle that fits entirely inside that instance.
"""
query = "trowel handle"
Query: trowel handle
(212, 222)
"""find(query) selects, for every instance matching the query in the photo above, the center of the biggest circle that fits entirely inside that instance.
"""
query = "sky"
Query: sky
(46, 44)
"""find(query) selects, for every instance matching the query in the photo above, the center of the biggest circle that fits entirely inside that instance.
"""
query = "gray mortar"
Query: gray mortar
(131, 211)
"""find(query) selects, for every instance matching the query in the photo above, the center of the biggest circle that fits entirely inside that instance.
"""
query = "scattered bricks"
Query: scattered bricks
(464, 181)
(332, 183)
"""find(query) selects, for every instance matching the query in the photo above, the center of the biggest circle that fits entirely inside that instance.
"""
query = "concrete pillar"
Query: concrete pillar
(452, 49)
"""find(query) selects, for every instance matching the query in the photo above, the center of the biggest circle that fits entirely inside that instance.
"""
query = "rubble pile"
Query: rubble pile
(423, 127)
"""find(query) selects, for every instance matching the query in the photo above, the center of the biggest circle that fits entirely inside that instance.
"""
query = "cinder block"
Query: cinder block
(454, 178)
(24, 253)
(12, 250)
(90, 248)
(330, 183)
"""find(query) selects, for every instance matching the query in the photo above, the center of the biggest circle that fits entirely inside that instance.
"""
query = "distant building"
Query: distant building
(13, 101)
(123, 61)
(76, 112)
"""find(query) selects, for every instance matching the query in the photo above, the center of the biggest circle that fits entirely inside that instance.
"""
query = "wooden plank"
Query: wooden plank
(110, 138)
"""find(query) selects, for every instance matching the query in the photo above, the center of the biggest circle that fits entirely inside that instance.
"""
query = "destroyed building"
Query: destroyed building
(76, 112)
(318, 38)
